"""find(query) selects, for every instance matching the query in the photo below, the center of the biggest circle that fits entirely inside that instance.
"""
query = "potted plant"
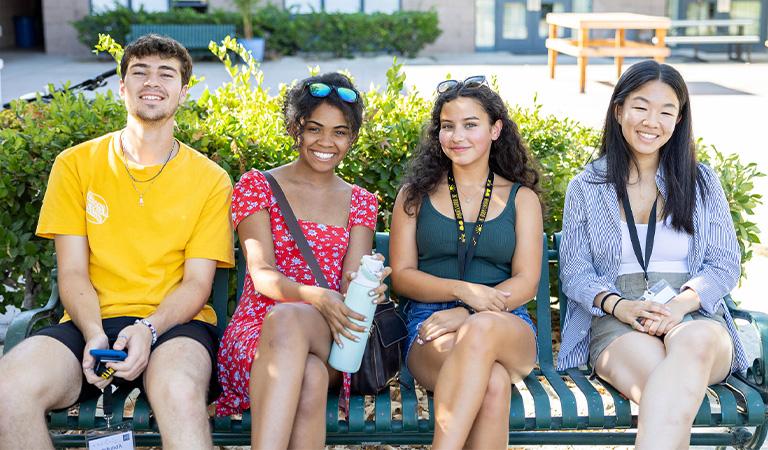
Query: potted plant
(255, 45)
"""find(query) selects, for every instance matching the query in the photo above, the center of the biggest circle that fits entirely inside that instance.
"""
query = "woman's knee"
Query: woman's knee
(475, 334)
(280, 325)
(699, 341)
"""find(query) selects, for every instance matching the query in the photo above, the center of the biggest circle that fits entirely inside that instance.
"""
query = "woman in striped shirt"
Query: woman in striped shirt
(648, 252)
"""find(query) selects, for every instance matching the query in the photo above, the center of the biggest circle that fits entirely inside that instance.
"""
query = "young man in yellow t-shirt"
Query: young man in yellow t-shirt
(140, 223)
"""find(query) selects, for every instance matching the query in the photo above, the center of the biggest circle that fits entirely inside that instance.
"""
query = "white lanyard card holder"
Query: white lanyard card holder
(112, 437)
(660, 292)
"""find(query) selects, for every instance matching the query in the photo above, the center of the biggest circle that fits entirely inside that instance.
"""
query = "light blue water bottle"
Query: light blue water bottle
(349, 357)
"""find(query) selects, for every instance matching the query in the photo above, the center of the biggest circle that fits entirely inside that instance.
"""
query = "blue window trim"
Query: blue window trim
(360, 9)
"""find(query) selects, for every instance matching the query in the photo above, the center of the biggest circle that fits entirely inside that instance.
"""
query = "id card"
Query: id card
(661, 292)
(116, 437)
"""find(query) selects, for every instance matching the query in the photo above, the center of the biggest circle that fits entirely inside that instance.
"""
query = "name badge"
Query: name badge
(115, 437)
(661, 292)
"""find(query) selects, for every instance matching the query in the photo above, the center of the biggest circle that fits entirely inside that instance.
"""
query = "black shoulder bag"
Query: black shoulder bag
(381, 361)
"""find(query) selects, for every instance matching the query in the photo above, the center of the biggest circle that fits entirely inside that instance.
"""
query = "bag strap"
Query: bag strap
(295, 230)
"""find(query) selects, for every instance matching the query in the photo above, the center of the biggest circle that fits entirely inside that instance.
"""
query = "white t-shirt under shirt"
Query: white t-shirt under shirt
(670, 249)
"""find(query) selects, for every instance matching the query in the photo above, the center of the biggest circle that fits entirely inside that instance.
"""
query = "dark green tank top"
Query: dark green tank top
(437, 243)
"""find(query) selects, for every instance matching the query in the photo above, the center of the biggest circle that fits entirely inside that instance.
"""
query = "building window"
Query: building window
(343, 6)
(485, 24)
(98, 6)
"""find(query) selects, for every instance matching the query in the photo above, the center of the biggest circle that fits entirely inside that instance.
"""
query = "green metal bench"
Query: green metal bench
(195, 37)
(554, 407)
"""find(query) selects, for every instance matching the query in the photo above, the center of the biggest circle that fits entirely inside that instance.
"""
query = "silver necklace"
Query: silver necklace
(150, 180)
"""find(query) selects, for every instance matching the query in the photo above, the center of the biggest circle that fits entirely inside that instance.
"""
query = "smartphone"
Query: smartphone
(105, 356)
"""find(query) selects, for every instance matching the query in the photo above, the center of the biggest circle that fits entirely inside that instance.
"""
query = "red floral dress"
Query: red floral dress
(329, 245)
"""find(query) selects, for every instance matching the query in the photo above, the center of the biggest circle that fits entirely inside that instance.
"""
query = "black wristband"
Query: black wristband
(608, 295)
(467, 307)
(617, 304)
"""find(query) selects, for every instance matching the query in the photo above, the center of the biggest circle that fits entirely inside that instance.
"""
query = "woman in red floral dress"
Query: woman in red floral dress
(281, 304)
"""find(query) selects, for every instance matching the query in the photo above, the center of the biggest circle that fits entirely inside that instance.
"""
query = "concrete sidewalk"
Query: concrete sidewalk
(729, 99)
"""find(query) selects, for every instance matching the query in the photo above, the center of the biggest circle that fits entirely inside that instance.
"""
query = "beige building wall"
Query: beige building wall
(60, 35)
(457, 22)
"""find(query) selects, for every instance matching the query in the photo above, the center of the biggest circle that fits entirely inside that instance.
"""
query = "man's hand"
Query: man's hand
(136, 340)
(100, 342)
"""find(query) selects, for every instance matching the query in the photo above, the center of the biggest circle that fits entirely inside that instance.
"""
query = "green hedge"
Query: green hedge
(404, 32)
(240, 126)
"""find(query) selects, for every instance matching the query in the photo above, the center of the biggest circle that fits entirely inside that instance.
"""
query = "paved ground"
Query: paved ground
(728, 99)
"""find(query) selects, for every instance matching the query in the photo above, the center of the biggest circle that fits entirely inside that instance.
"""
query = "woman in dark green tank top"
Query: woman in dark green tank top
(466, 248)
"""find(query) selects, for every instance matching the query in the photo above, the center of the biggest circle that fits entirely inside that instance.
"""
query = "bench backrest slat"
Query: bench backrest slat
(192, 36)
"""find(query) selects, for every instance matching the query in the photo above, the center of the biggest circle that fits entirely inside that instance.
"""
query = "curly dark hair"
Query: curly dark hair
(299, 104)
(156, 45)
(509, 155)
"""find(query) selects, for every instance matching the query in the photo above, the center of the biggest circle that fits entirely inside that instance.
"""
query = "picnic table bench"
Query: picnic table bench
(195, 37)
(723, 35)
(583, 47)
(548, 407)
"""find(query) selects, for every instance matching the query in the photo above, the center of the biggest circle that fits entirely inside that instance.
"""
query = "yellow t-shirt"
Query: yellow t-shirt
(137, 253)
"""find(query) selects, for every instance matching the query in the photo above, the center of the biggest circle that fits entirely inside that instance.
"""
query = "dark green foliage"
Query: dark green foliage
(340, 35)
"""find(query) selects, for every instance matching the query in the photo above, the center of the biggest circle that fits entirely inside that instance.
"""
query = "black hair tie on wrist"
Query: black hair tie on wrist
(617, 304)
(606, 297)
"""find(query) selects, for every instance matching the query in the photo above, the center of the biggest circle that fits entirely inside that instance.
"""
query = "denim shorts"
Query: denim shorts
(417, 312)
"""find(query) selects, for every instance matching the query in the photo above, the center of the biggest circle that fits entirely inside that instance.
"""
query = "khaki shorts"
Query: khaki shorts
(606, 329)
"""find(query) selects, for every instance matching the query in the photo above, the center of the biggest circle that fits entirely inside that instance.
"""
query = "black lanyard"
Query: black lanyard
(648, 237)
(467, 251)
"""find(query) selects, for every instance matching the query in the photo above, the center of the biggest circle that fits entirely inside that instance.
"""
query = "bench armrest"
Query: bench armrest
(22, 324)
(755, 374)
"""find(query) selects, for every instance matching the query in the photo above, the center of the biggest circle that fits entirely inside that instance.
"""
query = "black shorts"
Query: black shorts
(68, 334)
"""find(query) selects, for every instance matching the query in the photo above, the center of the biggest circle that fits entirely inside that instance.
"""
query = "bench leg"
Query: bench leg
(758, 438)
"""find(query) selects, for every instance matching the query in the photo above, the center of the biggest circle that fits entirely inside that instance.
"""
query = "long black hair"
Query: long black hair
(677, 157)
(509, 155)
(299, 104)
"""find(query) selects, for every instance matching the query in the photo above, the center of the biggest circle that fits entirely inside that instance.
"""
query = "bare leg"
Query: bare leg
(309, 427)
(460, 374)
(38, 375)
(491, 427)
(698, 354)
(176, 380)
(628, 362)
(290, 333)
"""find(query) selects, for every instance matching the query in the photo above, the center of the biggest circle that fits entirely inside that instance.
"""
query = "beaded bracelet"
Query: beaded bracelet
(149, 325)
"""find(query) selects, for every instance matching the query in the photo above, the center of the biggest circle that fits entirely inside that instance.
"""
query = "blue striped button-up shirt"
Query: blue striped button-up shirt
(590, 255)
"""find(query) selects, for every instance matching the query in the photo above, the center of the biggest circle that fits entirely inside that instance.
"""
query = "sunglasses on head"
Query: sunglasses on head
(322, 90)
(470, 82)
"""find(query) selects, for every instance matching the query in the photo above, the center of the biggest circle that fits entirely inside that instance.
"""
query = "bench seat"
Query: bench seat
(548, 407)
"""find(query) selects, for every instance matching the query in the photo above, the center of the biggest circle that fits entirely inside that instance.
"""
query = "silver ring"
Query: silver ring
(122, 336)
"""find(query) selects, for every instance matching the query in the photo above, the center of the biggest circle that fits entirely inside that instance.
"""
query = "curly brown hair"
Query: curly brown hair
(509, 155)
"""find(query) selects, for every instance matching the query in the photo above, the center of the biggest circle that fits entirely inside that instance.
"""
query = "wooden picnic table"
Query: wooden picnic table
(582, 47)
